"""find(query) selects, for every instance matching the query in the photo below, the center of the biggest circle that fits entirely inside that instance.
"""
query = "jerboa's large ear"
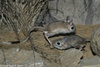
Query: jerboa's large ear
(69, 19)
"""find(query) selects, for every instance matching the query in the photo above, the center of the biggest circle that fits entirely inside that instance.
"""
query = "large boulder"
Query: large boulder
(82, 11)
(95, 42)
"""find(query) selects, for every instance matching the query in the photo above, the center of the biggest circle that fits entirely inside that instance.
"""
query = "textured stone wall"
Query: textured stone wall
(82, 11)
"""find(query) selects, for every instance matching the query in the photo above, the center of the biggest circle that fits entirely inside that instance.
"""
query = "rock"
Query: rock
(77, 9)
(90, 62)
(1, 57)
(95, 42)
(51, 64)
(70, 58)
(23, 58)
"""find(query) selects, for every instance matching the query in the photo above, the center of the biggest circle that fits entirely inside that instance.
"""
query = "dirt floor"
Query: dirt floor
(41, 46)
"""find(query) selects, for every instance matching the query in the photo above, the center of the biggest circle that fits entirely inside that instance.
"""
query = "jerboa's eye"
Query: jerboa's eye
(58, 43)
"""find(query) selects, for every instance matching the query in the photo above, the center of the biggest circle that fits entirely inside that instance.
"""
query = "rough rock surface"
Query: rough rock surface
(82, 11)
(23, 58)
(90, 62)
(1, 57)
(70, 58)
(95, 42)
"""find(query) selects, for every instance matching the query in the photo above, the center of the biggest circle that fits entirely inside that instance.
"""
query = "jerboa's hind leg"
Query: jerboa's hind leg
(47, 38)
